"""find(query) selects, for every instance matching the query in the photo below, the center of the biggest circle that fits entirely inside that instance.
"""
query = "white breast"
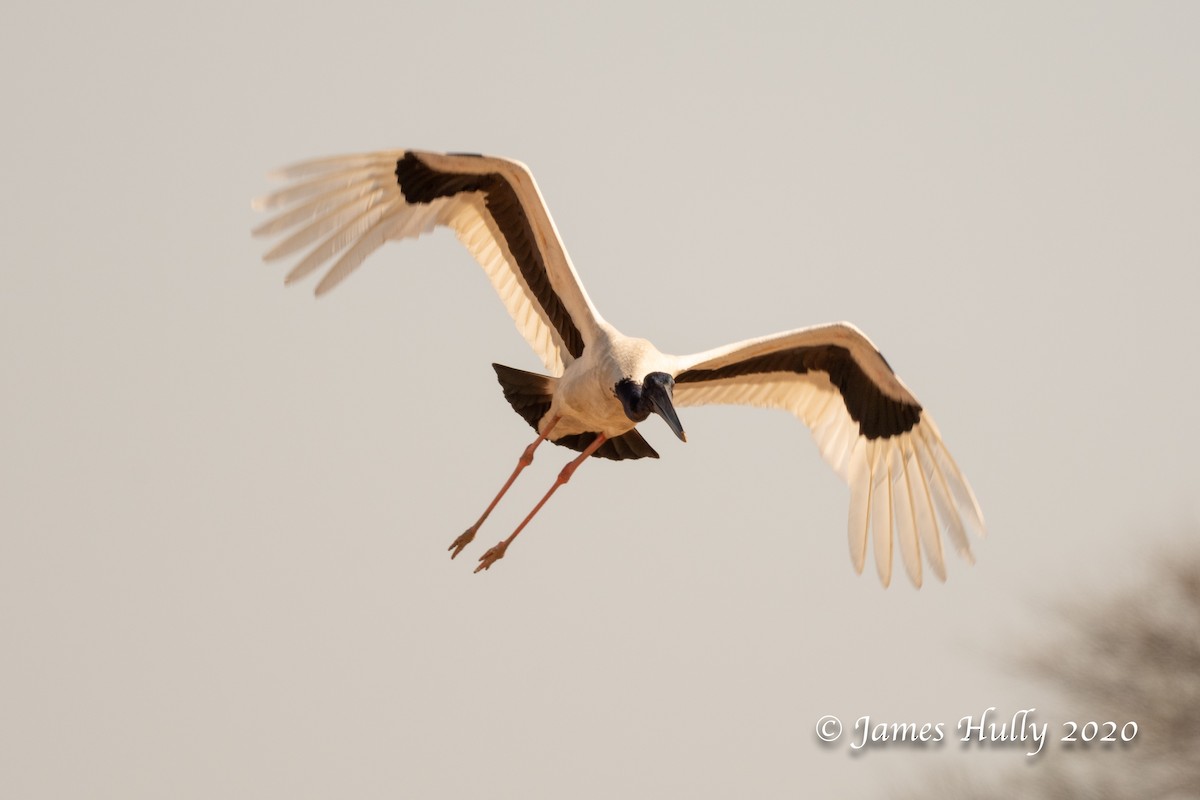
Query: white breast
(586, 397)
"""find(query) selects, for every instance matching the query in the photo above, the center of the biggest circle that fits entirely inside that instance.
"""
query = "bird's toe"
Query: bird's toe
(464, 539)
(491, 556)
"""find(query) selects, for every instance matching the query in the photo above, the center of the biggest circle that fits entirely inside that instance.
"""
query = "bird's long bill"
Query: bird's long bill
(661, 398)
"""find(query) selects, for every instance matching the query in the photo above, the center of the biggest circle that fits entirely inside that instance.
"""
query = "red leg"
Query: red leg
(496, 553)
(524, 461)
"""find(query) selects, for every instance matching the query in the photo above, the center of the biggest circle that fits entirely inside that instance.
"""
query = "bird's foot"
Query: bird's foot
(492, 556)
(463, 540)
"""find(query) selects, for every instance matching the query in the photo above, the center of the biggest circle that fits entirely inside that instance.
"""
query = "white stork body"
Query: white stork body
(584, 401)
(904, 485)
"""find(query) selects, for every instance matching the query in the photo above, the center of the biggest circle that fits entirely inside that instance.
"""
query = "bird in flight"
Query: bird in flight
(904, 485)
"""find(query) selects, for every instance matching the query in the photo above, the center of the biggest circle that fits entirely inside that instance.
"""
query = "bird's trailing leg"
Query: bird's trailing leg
(524, 461)
(496, 553)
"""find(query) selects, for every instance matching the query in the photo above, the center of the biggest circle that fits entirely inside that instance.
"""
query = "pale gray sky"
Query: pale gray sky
(224, 507)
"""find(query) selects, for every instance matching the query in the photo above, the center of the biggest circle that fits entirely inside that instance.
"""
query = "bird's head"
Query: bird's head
(652, 394)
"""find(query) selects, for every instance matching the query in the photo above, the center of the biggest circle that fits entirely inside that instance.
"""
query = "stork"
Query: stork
(904, 485)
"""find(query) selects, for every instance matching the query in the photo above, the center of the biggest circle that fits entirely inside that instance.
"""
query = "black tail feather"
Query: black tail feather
(530, 396)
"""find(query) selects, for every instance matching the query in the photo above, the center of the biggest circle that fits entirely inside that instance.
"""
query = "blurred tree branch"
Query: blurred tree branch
(1134, 655)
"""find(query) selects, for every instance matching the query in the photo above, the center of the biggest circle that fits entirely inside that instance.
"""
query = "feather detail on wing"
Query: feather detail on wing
(342, 209)
(904, 486)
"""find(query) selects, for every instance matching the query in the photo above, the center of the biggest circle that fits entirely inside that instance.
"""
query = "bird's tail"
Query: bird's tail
(528, 393)
(531, 394)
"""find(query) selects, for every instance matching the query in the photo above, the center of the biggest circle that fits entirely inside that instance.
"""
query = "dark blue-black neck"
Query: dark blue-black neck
(637, 405)
(651, 396)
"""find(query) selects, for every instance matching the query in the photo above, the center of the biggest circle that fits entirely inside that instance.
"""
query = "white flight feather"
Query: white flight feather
(904, 489)
(881, 515)
(906, 518)
(350, 205)
(923, 507)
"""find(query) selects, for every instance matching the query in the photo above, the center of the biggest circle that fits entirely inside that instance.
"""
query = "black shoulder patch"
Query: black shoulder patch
(420, 183)
(878, 416)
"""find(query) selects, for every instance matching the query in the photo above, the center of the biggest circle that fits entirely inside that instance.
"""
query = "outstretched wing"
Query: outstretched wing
(344, 208)
(903, 483)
